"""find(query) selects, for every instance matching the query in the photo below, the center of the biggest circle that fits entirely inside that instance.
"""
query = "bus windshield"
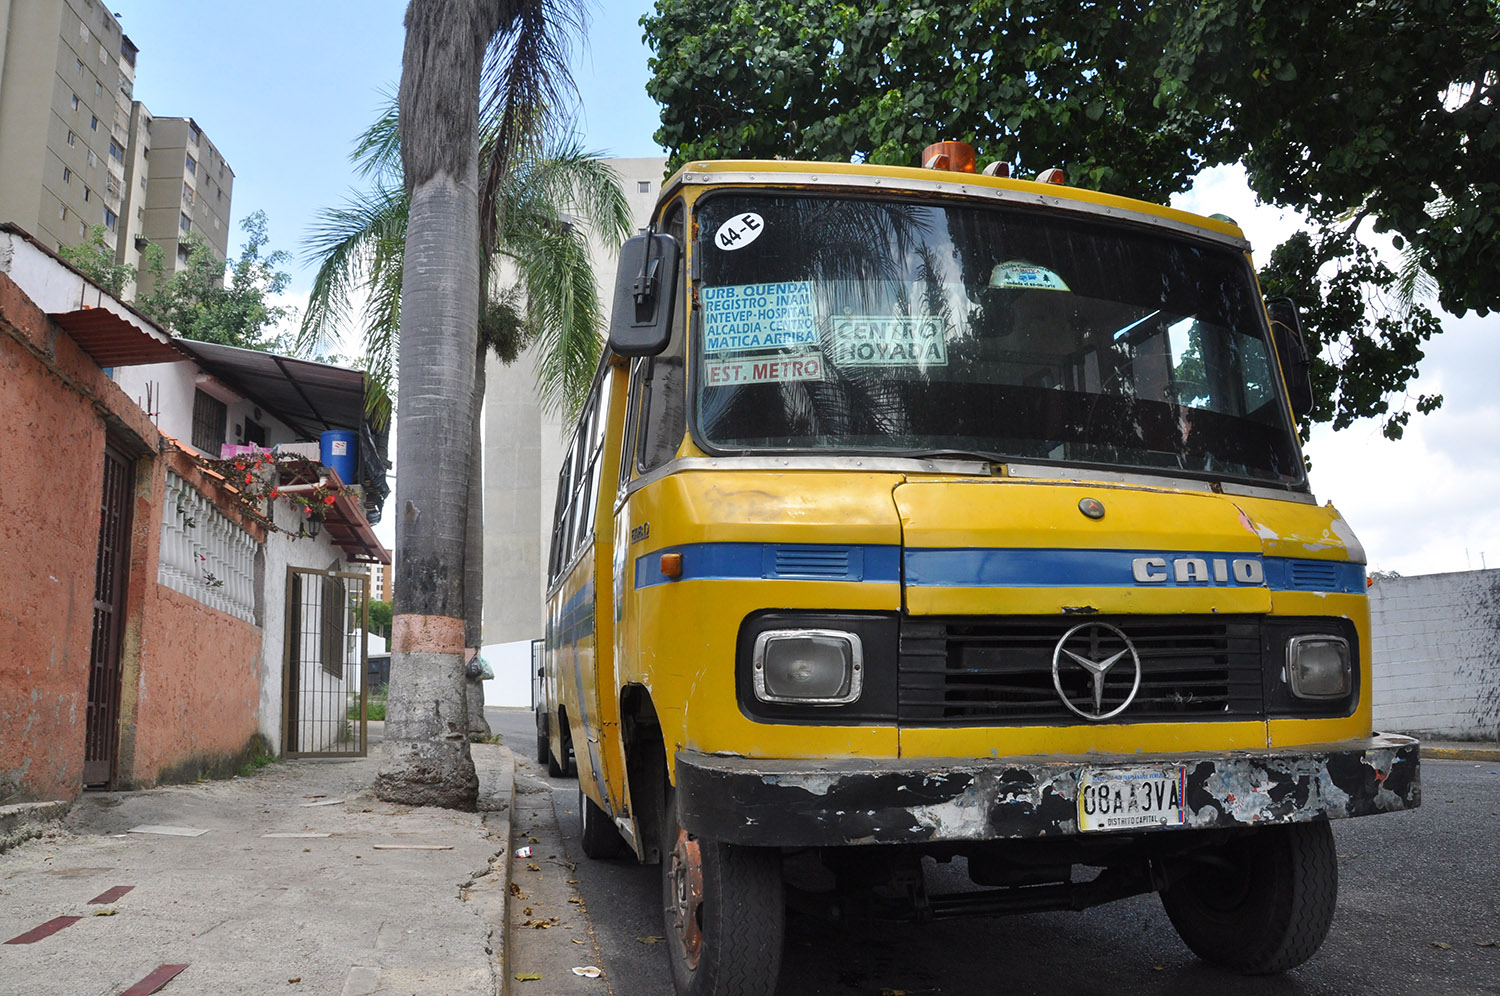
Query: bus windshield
(845, 325)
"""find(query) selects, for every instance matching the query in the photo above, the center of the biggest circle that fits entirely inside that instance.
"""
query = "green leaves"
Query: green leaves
(1384, 109)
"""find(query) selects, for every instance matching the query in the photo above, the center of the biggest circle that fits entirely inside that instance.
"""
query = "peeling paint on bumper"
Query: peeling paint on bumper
(800, 804)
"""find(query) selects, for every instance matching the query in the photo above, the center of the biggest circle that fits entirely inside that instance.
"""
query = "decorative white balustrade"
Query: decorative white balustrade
(204, 553)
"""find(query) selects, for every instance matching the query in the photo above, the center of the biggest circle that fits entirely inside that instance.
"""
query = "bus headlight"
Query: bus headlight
(808, 666)
(1318, 666)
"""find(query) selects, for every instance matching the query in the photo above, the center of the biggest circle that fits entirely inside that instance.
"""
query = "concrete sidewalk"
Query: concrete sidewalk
(302, 882)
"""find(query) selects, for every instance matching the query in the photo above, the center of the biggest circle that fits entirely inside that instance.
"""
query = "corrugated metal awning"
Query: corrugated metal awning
(111, 341)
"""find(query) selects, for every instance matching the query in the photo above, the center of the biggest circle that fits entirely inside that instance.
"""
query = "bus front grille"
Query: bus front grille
(965, 671)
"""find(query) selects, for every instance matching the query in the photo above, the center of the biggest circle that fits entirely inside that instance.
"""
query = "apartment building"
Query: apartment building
(188, 188)
(380, 582)
(78, 150)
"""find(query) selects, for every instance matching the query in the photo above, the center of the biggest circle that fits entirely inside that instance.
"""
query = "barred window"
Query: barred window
(210, 415)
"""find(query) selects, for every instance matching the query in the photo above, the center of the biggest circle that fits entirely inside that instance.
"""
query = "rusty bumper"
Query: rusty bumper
(908, 801)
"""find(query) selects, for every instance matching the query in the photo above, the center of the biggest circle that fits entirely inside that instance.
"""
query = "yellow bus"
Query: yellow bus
(919, 513)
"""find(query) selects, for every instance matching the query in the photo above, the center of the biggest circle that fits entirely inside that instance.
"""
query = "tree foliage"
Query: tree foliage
(1136, 98)
(207, 299)
(380, 618)
(227, 302)
(94, 257)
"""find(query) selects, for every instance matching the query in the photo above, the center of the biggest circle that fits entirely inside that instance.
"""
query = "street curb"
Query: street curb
(23, 821)
(497, 769)
(505, 931)
(1462, 753)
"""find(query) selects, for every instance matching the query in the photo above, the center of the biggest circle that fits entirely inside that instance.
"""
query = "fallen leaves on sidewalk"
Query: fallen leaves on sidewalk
(540, 923)
(651, 939)
(528, 976)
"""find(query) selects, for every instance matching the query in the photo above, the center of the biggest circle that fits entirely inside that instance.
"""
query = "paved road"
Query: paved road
(1417, 909)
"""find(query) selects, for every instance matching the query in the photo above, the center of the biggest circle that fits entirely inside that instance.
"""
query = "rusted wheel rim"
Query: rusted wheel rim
(685, 911)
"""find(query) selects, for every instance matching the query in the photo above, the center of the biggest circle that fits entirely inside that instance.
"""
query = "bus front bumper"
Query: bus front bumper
(801, 803)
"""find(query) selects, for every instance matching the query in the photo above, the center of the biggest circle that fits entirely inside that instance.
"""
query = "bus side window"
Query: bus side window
(558, 554)
(664, 403)
(632, 417)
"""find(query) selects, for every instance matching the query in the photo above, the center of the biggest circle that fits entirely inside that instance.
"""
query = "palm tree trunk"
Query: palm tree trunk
(474, 554)
(428, 761)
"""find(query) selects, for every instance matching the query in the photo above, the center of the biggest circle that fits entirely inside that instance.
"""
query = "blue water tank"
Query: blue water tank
(339, 449)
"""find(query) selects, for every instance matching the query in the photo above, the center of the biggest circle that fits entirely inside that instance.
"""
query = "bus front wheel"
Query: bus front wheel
(725, 913)
(1260, 904)
(601, 838)
(561, 767)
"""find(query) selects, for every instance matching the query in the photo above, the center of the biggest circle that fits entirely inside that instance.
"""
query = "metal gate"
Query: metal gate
(111, 567)
(328, 614)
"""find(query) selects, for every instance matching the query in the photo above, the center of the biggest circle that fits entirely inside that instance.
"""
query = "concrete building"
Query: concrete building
(77, 150)
(66, 78)
(188, 188)
(523, 449)
(380, 582)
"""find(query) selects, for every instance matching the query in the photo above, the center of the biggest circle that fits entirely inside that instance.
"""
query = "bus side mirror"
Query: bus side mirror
(1296, 365)
(645, 293)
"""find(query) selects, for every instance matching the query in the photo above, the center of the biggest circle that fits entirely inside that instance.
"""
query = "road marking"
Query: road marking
(45, 930)
(154, 981)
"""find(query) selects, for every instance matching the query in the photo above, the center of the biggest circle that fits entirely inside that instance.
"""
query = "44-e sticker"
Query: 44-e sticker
(739, 231)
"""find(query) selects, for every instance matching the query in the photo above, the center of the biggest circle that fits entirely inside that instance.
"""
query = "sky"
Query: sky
(282, 89)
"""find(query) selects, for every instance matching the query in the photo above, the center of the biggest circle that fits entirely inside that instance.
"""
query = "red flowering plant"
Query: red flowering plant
(262, 478)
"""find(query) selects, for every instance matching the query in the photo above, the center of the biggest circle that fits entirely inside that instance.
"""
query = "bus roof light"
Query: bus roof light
(997, 168)
(956, 157)
(1053, 175)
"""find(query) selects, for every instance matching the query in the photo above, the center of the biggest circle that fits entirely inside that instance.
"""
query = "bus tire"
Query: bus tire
(601, 838)
(725, 913)
(561, 767)
(543, 751)
(1260, 904)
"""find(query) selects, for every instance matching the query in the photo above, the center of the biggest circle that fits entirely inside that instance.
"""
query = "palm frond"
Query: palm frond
(356, 245)
(377, 150)
(565, 177)
(524, 81)
(563, 310)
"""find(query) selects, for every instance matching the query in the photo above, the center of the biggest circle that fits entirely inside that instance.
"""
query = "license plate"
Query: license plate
(1132, 798)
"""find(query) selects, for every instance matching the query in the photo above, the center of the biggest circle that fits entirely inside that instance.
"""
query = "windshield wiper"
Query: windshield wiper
(985, 455)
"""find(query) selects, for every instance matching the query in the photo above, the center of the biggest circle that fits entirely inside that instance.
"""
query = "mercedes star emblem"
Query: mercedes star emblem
(1093, 647)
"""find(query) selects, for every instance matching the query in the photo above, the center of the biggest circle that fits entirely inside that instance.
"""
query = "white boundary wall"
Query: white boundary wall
(1436, 651)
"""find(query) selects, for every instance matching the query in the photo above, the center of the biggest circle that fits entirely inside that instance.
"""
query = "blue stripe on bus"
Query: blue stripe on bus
(576, 620)
(1069, 568)
(995, 568)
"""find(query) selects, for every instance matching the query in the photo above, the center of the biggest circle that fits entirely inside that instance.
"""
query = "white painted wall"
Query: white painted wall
(511, 685)
(280, 552)
(1436, 654)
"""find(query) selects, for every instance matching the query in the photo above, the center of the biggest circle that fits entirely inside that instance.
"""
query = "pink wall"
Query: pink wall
(189, 691)
(192, 683)
(51, 450)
